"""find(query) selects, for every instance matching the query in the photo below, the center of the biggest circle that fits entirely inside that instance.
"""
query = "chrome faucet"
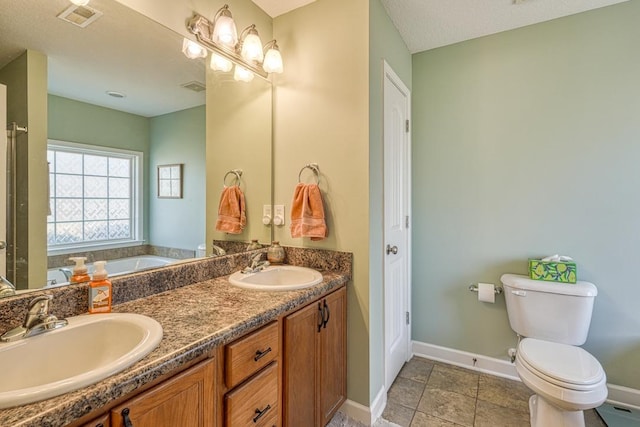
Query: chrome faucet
(67, 273)
(6, 287)
(37, 321)
(257, 264)
(217, 250)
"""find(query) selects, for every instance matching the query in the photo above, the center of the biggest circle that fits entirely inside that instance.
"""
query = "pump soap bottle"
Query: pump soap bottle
(100, 290)
(79, 271)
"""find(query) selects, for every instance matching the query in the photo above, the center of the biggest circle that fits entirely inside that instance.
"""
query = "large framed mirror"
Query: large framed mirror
(105, 104)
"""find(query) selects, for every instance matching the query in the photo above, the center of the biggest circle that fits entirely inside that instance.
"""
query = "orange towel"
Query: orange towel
(307, 212)
(231, 211)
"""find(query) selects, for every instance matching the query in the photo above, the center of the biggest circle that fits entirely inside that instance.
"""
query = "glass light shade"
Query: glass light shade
(273, 61)
(225, 32)
(218, 63)
(252, 47)
(193, 50)
(241, 74)
(80, 2)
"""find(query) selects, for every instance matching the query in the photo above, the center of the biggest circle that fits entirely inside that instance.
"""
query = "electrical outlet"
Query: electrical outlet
(266, 214)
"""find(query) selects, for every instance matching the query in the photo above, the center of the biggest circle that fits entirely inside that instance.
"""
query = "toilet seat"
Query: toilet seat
(561, 364)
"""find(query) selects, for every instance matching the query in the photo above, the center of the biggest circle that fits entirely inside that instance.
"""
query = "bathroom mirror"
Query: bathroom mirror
(157, 107)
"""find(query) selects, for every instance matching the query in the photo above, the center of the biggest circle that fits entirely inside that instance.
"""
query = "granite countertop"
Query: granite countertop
(195, 319)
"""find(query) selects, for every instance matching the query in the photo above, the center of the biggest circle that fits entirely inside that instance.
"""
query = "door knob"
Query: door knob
(392, 249)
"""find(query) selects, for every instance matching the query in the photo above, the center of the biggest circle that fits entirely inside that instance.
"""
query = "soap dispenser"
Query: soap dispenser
(80, 274)
(100, 290)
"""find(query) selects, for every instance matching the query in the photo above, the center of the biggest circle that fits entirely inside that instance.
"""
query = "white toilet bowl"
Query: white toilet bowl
(566, 380)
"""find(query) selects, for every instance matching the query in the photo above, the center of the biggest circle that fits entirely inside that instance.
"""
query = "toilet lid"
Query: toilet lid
(560, 363)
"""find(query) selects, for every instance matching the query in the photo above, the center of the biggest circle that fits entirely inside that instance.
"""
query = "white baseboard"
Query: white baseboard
(618, 395)
(485, 364)
(366, 415)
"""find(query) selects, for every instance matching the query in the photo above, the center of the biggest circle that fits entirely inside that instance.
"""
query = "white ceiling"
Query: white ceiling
(427, 24)
(122, 51)
(275, 8)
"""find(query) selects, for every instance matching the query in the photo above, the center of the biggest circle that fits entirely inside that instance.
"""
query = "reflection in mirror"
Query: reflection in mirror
(98, 93)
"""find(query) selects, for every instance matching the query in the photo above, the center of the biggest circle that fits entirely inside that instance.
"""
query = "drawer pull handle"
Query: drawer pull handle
(260, 413)
(125, 418)
(261, 354)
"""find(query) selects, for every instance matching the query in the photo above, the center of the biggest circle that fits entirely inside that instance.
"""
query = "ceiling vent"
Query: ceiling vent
(80, 15)
(194, 86)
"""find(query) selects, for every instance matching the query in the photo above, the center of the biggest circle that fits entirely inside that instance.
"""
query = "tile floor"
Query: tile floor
(428, 393)
(434, 394)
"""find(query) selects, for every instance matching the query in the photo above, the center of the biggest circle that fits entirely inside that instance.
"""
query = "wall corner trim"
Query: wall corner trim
(366, 415)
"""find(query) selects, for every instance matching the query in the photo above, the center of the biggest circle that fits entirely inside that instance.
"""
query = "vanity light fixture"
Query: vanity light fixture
(193, 50)
(251, 45)
(272, 59)
(248, 53)
(80, 2)
(219, 63)
(224, 28)
(241, 74)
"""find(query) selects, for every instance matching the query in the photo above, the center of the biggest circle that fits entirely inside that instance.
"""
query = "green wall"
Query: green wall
(526, 144)
(385, 44)
(178, 138)
(75, 121)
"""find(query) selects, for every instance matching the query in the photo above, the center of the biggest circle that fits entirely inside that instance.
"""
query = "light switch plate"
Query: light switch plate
(279, 213)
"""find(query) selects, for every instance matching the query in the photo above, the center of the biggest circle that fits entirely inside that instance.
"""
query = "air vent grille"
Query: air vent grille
(80, 16)
(194, 86)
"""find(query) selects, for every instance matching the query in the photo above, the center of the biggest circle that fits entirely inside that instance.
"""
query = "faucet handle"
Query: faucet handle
(38, 309)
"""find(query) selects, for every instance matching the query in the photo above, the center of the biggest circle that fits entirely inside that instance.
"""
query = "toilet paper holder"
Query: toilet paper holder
(474, 288)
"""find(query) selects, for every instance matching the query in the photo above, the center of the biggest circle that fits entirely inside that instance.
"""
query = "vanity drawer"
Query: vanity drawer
(255, 403)
(250, 353)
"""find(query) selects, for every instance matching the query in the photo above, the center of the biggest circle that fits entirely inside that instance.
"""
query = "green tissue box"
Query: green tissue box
(553, 271)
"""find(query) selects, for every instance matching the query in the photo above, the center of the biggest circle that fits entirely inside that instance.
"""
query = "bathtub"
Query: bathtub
(114, 267)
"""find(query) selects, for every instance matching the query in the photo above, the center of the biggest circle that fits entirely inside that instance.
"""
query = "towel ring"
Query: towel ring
(236, 172)
(316, 171)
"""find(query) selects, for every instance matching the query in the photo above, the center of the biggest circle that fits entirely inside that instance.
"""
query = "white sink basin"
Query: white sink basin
(277, 278)
(87, 350)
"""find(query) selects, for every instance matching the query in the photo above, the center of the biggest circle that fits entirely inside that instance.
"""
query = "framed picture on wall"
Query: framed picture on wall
(170, 181)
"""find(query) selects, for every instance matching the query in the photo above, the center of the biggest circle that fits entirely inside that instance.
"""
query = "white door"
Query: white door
(3, 180)
(397, 174)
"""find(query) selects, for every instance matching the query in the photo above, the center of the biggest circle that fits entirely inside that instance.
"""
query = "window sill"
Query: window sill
(94, 247)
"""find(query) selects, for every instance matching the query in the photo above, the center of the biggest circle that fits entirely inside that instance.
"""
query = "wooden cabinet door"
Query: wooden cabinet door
(186, 400)
(300, 375)
(332, 356)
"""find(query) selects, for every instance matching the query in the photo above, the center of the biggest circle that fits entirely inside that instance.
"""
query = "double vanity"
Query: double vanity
(228, 355)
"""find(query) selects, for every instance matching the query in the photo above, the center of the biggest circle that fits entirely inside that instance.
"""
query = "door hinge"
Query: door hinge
(407, 313)
(406, 221)
(406, 125)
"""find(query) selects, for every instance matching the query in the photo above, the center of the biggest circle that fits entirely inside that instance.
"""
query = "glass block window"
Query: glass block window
(94, 195)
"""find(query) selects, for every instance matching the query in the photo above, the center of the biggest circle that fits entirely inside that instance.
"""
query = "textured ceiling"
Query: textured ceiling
(121, 51)
(427, 24)
(275, 8)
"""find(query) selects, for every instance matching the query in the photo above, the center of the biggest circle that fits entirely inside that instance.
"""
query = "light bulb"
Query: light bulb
(224, 30)
(252, 47)
(273, 61)
(218, 63)
(242, 74)
(193, 50)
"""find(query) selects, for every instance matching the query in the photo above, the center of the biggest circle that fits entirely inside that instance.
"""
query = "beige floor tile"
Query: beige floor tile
(417, 369)
(592, 419)
(449, 406)
(503, 392)
(424, 420)
(454, 379)
(405, 392)
(398, 414)
(490, 415)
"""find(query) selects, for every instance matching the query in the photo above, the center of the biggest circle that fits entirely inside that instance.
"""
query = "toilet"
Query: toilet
(553, 319)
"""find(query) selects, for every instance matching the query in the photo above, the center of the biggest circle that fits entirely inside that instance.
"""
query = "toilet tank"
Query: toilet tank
(550, 311)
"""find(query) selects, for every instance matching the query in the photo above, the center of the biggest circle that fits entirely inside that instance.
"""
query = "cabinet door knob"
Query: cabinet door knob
(260, 413)
(261, 354)
(125, 418)
(392, 249)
